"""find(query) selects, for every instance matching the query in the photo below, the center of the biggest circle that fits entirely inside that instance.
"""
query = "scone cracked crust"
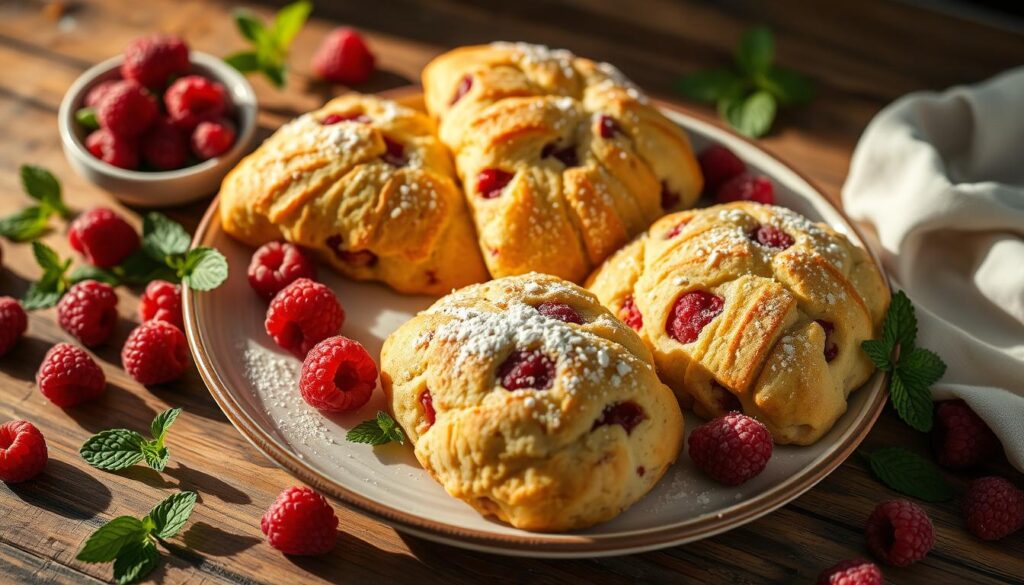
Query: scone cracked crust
(561, 158)
(528, 400)
(751, 307)
(365, 183)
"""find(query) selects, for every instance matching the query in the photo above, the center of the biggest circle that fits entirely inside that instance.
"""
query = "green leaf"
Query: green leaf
(250, 26)
(753, 117)
(244, 61)
(156, 457)
(47, 258)
(108, 540)
(879, 352)
(910, 474)
(921, 367)
(376, 431)
(787, 86)
(113, 449)
(756, 50)
(163, 237)
(710, 85)
(900, 326)
(275, 72)
(205, 269)
(37, 297)
(40, 184)
(289, 22)
(90, 272)
(86, 117)
(26, 224)
(171, 514)
(141, 268)
(912, 402)
(135, 561)
(162, 423)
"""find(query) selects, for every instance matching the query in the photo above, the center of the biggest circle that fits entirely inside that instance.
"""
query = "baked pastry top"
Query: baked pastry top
(365, 183)
(751, 307)
(528, 400)
(562, 159)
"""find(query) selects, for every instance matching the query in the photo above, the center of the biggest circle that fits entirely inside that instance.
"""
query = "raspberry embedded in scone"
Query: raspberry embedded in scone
(529, 401)
(753, 308)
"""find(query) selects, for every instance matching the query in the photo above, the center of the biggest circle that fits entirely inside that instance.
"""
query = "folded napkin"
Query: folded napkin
(940, 179)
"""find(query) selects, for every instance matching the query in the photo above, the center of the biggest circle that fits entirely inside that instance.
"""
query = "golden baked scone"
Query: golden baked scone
(365, 183)
(751, 307)
(561, 158)
(528, 400)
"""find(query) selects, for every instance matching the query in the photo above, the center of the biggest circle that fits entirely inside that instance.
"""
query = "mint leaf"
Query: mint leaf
(709, 85)
(275, 72)
(90, 272)
(163, 237)
(141, 268)
(787, 86)
(41, 185)
(921, 367)
(104, 545)
(910, 474)
(135, 561)
(37, 298)
(113, 449)
(86, 117)
(900, 325)
(249, 26)
(288, 22)
(204, 269)
(48, 290)
(156, 457)
(26, 224)
(47, 258)
(162, 423)
(753, 117)
(170, 515)
(376, 431)
(879, 353)
(756, 50)
(912, 402)
(245, 61)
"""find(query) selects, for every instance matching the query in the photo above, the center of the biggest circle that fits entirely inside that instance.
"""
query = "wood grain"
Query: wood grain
(862, 55)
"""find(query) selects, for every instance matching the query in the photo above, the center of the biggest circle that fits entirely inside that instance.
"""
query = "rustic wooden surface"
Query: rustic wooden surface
(862, 55)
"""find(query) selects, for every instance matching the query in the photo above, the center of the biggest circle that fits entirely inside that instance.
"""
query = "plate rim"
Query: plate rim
(550, 545)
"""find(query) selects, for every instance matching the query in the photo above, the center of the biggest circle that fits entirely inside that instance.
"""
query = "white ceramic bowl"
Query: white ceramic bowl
(164, 188)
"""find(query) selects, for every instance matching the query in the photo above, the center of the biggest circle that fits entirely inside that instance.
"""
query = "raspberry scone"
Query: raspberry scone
(562, 159)
(366, 184)
(753, 308)
(528, 400)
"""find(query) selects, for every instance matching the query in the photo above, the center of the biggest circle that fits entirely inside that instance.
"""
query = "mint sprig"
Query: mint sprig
(116, 449)
(30, 222)
(749, 95)
(48, 290)
(910, 474)
(913, 369)
(376, 431)
(271, 43)
(131, 543)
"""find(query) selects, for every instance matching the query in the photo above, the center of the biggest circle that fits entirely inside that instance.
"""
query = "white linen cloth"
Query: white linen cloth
(940, 179)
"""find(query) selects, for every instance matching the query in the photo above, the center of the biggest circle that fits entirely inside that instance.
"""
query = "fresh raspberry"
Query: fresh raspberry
(993, 508)
(344, 57)
(490, 182)
(300, 522)
(691, 313)
(899, 533)
(560, 311)
(213, 138)
(127, 109)
(69, 376)
(625, 414)
(152, 60)
(630, 314)
(337, 375)
(103, 237)
(772, 237)
(960, 438)
(852, 572)
(155, 352)
(98, 91)
(527, 369)
(747, 188)
(302, 315)
(161, 302)
(718, 164)
(13, 323)
(22, 451)
(112, 149)
(275, 265)
(731, 449)
(165, 147)
(194, 99)
(89, 312)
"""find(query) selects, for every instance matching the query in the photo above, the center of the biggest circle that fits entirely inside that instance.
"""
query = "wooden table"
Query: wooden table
(861, 54)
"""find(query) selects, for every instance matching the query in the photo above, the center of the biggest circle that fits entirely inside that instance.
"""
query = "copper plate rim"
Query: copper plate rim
(539, 544)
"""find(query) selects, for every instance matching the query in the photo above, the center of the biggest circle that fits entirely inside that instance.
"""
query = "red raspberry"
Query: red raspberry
(608, 127)
(275, 265)
(630, 314)
(112, 149)
(152, 60)
(772, 237)
(691, 313)
(300, 522)
(731, 449)
(899, 533)
(214, 138)
(625, 414)
(161, 302)
(490, 182)
(718, 164)
(194, 99)
(527, 369)
(337, 375)
(13, 323)
(560, 311)
(165, 147)
(98, 91)
(960, 438)
(852, 572)
(302, 315)
(427, 402)
(344, 57)
(103, 237)
(127, 109)
(22, 451)
(69, 376)
(155, 352)
(831, 347)
(993, 508)
(89, 312)
(747, 188)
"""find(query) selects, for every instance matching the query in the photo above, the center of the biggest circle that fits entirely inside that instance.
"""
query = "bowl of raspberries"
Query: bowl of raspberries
(158, 125)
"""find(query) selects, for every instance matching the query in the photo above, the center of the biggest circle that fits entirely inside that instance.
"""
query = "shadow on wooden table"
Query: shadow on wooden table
(50, 491)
